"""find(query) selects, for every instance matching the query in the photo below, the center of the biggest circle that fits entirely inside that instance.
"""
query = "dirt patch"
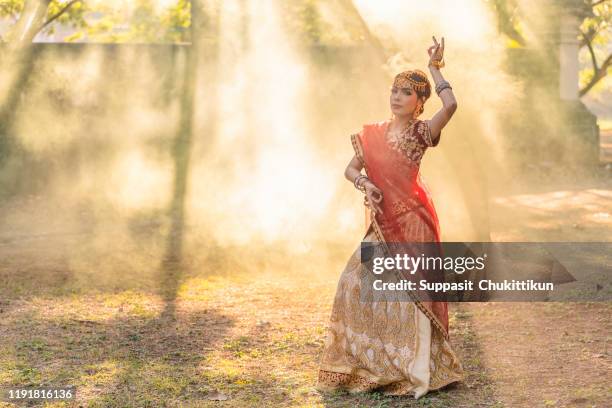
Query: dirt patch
(546, 354)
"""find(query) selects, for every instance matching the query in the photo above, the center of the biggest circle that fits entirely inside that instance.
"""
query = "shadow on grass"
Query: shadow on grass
(127, 361)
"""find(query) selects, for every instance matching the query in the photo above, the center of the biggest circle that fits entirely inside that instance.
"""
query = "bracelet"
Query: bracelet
(357, 182)
(437, 63)
(442, 86)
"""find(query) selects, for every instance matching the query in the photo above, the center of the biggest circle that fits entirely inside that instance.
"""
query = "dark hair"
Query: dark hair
(423, 92)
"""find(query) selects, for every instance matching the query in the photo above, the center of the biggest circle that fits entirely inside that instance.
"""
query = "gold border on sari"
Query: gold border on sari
(357, 148)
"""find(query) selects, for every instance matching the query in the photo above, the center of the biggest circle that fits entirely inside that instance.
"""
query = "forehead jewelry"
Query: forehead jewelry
(405, 80)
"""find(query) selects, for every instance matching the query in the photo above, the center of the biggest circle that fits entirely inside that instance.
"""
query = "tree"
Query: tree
(34, 16)
(595, 34)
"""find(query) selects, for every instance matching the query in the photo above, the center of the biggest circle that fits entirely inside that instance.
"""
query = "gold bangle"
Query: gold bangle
(437, 63)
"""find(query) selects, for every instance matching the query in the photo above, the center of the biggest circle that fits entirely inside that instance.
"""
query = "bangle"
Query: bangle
(437, 63)
(357, 182)
(442, 86)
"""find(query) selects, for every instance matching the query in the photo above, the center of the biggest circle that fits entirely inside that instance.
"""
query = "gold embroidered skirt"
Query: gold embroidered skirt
(389, 346)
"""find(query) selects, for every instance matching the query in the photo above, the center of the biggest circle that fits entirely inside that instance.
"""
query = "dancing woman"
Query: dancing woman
(396, 347)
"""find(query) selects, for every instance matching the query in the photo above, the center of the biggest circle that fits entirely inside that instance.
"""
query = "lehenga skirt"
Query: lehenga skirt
(386, 345)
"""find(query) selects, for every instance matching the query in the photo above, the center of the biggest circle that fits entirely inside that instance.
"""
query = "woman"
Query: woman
(396, 347)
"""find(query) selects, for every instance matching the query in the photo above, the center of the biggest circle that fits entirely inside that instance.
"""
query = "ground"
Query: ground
(235, 338)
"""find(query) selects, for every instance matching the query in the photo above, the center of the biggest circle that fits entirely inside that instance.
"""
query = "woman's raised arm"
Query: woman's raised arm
(443, 89)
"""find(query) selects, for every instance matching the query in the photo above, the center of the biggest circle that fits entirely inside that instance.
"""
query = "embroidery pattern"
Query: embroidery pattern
(370, 345)
(413, 141)
(399, 207)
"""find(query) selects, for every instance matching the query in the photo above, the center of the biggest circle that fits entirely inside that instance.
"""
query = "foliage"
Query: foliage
(310, 23)
(303, 17)
(72, 16)
(98, 21)
(177, 19)
(11, 8)
(145, 24)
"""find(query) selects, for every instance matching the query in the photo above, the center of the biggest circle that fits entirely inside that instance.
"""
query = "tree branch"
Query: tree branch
(598, 72)
(598, 75)
(58, 14)
(597, 3)
(592, 52)
(588, 36)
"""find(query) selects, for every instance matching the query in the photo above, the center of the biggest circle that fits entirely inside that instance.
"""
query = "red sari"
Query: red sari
(392, 164)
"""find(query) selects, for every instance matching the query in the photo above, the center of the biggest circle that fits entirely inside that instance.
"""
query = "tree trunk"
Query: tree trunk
(17, 62)
(172, 264)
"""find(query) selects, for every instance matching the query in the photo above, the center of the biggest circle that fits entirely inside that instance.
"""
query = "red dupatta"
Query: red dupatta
(399, 179)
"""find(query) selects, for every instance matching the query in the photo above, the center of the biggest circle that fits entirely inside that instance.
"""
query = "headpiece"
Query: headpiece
(415, 79)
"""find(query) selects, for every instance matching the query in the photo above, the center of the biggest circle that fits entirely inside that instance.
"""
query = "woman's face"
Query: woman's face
(403, 101)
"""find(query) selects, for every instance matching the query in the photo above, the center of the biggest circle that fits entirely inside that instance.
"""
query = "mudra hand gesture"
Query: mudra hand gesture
(373, 197)
(436, 53)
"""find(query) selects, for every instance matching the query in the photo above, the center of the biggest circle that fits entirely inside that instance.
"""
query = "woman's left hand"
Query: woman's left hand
(436, 53)
(373, 197)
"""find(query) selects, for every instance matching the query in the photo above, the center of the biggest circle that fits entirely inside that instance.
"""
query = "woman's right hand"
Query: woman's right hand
(374, 197)
(436, 54)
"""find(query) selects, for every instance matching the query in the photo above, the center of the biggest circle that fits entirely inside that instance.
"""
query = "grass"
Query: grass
(124, 348)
